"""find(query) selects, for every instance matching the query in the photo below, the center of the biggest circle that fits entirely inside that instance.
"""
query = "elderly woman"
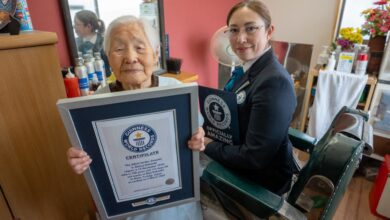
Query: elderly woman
(130, 45)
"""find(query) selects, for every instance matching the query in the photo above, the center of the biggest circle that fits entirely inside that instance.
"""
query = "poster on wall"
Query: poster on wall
(138, 143)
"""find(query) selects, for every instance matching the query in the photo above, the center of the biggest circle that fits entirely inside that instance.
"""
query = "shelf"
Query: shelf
(372, 80)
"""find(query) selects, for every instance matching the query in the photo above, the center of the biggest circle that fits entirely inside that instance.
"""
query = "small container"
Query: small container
(337, 52)
(361, 63)
(345, 62)
(71, 85)
(100, 69)
(331, 62)
(88, 62)
(95, 83)
(322, 59)
(81, 73)
(23, 14)
(174, 65)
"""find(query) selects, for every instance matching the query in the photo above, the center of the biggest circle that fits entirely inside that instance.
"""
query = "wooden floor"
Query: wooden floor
(354, 205)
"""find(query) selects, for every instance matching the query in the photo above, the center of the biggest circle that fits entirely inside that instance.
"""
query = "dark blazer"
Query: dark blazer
(83, 48)
(265, 156)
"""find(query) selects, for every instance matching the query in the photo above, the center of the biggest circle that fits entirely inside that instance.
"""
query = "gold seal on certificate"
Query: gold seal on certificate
(140, 154)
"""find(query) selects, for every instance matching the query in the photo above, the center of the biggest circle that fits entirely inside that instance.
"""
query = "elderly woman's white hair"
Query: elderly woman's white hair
(150, 32)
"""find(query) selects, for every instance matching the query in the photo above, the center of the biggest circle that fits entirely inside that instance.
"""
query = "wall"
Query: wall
(305, 21)
(190, 25)
(189, 42)
(46, 15)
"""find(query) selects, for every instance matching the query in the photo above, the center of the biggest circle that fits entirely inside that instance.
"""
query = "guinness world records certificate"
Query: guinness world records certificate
(141, 157)
(138, 143)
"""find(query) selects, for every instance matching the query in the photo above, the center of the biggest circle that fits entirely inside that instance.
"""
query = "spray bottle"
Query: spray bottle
(361, 63)
(331, 62)
(99, 69)
(81, 73)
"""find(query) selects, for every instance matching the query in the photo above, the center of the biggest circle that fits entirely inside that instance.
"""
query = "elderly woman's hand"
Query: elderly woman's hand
(197, 140)
(78, 159)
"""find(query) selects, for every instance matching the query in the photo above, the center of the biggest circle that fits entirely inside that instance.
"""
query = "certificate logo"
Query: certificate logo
(139, 138)
(217, 111)
(241, 96)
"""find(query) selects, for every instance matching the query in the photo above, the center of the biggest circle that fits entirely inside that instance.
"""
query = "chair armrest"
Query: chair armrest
(250, 195)
(301, 140)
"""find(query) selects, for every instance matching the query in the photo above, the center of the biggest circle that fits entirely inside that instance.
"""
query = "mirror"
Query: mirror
(350, 14)
(107, 11)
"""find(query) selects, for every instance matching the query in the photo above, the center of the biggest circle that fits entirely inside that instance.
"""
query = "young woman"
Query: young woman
(265, 113)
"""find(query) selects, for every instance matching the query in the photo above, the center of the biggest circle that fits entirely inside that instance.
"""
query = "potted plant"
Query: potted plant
(377, 25)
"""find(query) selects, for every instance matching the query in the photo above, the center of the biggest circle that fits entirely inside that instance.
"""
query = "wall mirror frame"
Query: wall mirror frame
(68, 10)
(349, 15)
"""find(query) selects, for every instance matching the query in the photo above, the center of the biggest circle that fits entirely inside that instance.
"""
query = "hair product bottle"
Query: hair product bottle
(81, 73)
(100, 69)
(362, 61)
(71, 85)
(331, 62)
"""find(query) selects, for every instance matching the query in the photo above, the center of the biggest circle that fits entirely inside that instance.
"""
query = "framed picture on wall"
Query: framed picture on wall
(138, 143)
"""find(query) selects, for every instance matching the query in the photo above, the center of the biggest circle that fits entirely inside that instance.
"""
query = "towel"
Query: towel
(334, 90)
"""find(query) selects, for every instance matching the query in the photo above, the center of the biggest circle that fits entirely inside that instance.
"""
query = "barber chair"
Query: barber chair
(320, 184)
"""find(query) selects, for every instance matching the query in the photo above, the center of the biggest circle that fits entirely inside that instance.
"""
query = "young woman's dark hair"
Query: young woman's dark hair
(89, 17)
(256, 6)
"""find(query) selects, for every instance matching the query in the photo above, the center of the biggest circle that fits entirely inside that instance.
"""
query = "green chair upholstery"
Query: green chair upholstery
(320, 184)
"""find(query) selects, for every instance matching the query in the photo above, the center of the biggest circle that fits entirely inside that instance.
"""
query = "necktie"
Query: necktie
(237, 73)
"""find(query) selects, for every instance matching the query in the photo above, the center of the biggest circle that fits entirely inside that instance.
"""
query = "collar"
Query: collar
(249, 63)
(256, 67)
(91, 38)
(117, 86)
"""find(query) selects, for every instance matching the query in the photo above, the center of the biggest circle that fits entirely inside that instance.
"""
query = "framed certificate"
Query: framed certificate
(138, 143)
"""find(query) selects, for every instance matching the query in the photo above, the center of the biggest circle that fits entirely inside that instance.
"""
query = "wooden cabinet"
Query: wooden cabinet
(34, 175)
(311, 82)
(5, 212)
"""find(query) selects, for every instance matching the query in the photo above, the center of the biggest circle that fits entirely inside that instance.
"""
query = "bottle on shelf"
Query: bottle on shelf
(95, 82)
(337, 52)
(88, 62)
(322, 59)
(81, 73)
(362, 61)
(71, 85)
(100, 69)
(331, 62)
